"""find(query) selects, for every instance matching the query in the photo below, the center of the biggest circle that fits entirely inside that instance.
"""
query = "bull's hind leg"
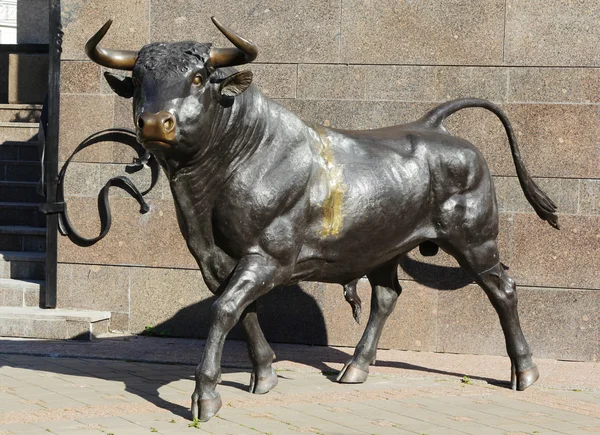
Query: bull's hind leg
(263, 378)
(482, 262)
(385, 292)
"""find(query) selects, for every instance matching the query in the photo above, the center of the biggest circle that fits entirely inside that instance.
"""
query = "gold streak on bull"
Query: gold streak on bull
(333, 216)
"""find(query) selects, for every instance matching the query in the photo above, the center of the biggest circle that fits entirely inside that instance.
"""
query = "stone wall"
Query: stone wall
(364, 64)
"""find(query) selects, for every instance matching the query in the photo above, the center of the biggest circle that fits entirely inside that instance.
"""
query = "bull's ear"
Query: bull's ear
(235, 84)
(123, 86)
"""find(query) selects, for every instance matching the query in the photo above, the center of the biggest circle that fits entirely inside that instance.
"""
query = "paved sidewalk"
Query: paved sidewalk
(114, 385)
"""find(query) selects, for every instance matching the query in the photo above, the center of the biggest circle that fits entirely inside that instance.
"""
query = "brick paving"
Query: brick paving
(142, 385)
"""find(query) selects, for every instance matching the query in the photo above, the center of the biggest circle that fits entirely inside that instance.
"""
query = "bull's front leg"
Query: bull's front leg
(254, 276)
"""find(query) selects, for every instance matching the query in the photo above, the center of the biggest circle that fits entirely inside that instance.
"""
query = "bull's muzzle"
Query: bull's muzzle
(156, 127)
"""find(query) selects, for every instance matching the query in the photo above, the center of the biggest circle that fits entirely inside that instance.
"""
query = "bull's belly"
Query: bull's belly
(376, 218)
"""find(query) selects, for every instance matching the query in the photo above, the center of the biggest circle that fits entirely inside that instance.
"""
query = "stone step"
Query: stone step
(18, 131)
(20, 113)
(22, 191)
(57, 324)
(17, 170)
(23, 265)
(22, 213)
(22, 238)
(21, 293)
(19, 150)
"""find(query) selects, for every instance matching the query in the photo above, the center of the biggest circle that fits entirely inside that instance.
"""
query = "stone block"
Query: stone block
(21, 133)
(412, 325)
(557, 323)
(561, 323)
(81, 116)
(119, 322)
(356, 114)
(27, 78)
(82, 18)
(458, 32)
(151, 239)
(552, 33)
(567, 258)
(400, 83)
(467, 323)
(87, 179)
(32, 22)
(275, 80)
(287, 32)
(296, 314)
(563, 191)
(172, 301)
(77, 77)
(589, 202)
(555, 85)
(11, 297)
(555, 140)
(90, 286)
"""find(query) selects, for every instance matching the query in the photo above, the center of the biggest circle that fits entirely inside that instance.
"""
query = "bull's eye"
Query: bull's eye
(135, 81)
(197, 81)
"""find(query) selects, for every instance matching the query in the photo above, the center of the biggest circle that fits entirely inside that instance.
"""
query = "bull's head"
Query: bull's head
(175, 85)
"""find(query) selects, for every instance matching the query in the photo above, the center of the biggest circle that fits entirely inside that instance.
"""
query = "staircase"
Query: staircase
(23, 239)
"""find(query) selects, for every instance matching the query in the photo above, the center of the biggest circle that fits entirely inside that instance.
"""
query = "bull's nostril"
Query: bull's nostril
(140, 122)
(169, 124)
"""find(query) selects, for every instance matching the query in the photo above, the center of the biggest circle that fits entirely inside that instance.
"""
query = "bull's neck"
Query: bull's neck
(233, 135)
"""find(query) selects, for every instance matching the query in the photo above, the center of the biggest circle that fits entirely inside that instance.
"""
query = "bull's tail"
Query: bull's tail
(541, 203)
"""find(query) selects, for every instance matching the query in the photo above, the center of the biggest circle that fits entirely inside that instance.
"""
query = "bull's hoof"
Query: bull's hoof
(519, 381)
(351, 374)
(205, 409)
(263, 384)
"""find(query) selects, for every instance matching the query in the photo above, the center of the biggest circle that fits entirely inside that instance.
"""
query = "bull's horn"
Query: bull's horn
(117, 59)
(245, 52)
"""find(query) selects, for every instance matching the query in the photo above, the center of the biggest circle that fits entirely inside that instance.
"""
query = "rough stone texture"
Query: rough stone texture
(589, 202)
(85, 286)
(572, 316)
(563, 191)
(305, 31)
(555, 140)
(568, 258)
(27, 78)
(78, 77)
(81, 116)
(152, 239)
(169, 301)
(87, 179)
(552, 33)
(458, 32)
(274, 80)
(300, 308)
(557, 323)
(119, 322)
(467, 323)
(574, 85)
(82, 18)
(399, 83)
(32, 22)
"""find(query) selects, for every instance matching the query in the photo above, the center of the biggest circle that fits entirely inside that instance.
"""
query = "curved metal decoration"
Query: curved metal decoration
(126, 137)
(264, 200)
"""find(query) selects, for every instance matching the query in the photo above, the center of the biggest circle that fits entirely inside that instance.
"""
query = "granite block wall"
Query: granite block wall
(363, 64)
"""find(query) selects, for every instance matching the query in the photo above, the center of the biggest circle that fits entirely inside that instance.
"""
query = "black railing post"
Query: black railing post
(51, 150)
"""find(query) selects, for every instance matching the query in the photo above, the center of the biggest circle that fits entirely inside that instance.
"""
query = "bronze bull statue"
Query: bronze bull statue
(264, 199)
